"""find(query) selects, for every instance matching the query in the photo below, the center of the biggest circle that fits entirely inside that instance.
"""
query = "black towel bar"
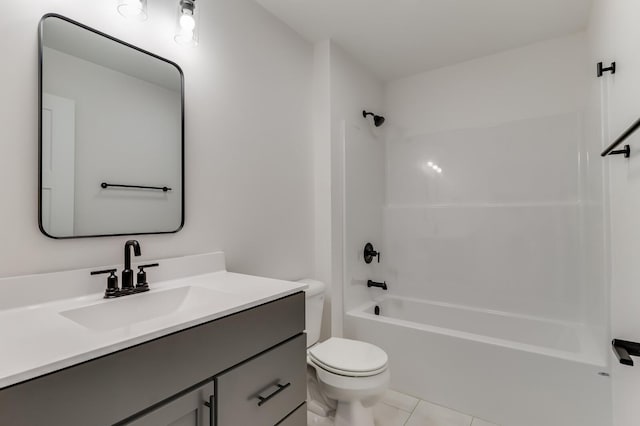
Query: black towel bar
(626, 151)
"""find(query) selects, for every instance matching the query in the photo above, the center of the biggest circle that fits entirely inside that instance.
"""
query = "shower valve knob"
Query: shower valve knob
(370, 253)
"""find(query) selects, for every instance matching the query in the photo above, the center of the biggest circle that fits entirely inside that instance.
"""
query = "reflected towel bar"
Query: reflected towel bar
(106, 185)
(626, 151)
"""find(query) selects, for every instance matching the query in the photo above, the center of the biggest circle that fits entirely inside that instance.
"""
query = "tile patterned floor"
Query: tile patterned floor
(397, 409)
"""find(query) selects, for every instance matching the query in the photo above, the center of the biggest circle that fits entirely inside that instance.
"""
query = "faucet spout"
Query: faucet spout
(127, 273)
(127, 252)
(382, 285)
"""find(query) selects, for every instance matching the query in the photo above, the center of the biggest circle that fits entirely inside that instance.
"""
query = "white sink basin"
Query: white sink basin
(129, 310)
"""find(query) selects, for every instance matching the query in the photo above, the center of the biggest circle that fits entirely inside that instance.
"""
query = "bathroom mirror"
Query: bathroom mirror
(111, 135)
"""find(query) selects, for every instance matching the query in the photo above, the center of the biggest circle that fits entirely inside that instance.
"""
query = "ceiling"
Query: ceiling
(397, 38)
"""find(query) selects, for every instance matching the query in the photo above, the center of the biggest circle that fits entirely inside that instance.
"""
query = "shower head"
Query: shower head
(378, 120)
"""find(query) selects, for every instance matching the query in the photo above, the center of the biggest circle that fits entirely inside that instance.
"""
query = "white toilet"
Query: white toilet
(347, 375)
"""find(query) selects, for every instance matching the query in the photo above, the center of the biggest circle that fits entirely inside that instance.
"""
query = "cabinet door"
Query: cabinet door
(192, 409)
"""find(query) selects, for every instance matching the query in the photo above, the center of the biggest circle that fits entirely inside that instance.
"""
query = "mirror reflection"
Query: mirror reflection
(111, 135)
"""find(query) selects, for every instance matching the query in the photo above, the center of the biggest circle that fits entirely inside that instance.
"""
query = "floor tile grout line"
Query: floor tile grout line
(400, 408)
(412, 411)
(417, 404)
(397, 408)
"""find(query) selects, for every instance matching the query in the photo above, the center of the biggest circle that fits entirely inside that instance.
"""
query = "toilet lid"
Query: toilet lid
(349, 357)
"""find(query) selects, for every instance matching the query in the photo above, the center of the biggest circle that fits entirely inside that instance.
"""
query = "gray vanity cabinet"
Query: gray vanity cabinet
(192, 409)
(240, 355)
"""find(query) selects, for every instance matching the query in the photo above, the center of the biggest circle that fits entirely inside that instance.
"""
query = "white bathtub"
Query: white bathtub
(509, 369)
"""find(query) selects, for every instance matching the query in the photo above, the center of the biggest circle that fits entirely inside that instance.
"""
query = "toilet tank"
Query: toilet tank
(314, 296)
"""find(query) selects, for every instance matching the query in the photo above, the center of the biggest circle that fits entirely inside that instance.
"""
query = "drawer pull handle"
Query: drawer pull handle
(210, 404)
(264, 399)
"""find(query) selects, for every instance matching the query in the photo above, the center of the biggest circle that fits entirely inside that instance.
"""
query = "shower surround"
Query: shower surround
(485, 197)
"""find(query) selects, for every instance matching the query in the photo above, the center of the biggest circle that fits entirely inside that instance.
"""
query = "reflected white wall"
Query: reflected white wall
(105, 128)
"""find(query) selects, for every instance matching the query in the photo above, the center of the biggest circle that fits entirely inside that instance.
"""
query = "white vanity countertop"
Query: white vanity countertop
(40, 339)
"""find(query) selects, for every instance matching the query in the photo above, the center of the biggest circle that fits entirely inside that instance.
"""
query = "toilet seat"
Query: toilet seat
(349, 358)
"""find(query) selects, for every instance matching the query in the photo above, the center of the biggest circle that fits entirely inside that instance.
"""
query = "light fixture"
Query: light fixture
(187, 23)
(135, 9)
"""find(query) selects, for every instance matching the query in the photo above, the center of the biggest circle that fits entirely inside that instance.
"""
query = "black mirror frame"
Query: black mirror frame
(182, 162)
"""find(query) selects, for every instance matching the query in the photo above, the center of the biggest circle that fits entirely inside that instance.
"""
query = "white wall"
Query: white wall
(614, 35)
(353, 88)
(542, 79)
(322, 175)
(343, 88)
(111, 136)
(364, 183)
(248, 139)
(501, 227)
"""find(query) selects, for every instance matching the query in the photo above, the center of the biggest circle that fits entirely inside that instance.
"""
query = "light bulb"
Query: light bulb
(133, 9)
(187, 23)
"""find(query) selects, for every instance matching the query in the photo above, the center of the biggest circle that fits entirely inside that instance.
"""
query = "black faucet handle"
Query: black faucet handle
(370, 253)
(112, 282)
(104, 271)
(150, 265)
(141, 277)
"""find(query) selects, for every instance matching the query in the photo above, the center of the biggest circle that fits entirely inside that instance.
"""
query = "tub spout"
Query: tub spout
(382, 285)
(624, 350)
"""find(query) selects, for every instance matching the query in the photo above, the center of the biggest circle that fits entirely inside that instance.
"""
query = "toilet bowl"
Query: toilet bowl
(350, 376)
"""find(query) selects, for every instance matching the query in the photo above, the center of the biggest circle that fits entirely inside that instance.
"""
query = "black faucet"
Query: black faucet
(127, 273)
(379, 285)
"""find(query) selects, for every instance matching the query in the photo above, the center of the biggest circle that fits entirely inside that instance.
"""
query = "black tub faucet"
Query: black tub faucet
(382, 285)
(127, 273)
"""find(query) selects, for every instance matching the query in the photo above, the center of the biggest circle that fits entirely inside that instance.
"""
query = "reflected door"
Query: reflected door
(58, 165)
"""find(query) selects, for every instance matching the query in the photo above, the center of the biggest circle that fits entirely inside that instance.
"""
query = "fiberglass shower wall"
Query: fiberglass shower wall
(493, 192)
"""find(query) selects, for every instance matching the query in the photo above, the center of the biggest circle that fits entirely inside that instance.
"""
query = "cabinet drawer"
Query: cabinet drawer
(263, 390)
(297, 418)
